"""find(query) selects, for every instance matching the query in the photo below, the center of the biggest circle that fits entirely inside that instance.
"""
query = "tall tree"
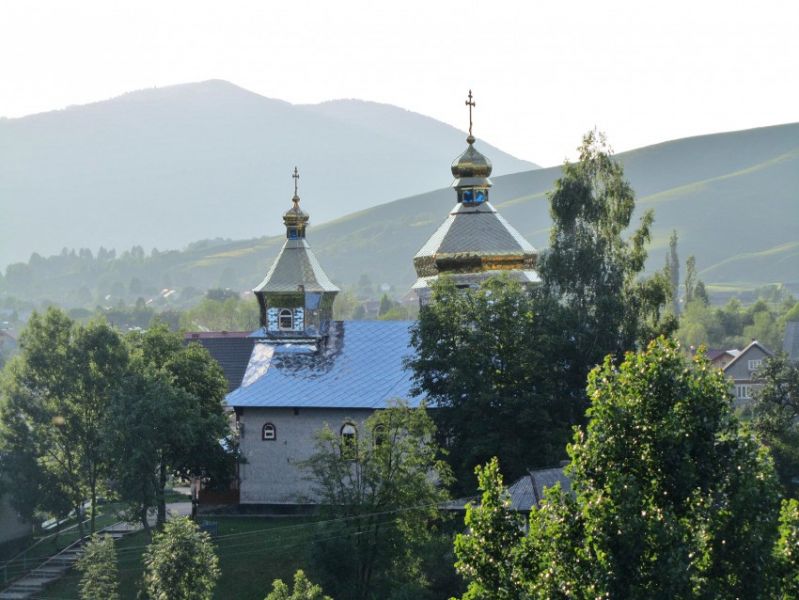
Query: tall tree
(691, 279)
(494, 364)
(775, 413)
(672, 499)
(593, 268)
(383, 484)
(180, 563)
(98, 566)
(673, 271)
(167, 420)
(58, 393)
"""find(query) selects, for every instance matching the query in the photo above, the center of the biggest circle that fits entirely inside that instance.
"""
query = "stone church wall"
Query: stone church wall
(270, 473)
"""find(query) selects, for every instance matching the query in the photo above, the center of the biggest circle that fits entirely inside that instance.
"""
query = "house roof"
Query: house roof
(790, 343)
(745, 351)
(231, 350)
(295, 266)
(361, 365)
(525, 493)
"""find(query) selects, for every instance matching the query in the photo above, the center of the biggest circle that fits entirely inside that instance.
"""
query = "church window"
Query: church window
(269, 433)
(286, 320)
(379, 435)
(349, 441)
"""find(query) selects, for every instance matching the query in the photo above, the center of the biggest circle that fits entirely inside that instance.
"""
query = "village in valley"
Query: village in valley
(578, 381)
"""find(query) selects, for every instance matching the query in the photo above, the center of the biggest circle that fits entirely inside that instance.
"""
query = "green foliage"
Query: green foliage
(224, 314)
(786, 552)
(775, 412)
(177, 385)
(303, 590)
(671, 498)
(383, 487)
(734, 325)
(98, 567)
(180, 563)
(486, 552)
(494, 363)
(593, 268)
(57, 392)
(673, 272)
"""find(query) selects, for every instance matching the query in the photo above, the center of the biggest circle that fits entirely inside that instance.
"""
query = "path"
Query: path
(57, 565)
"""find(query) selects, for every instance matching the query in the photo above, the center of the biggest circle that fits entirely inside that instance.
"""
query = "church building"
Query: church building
(306, 371)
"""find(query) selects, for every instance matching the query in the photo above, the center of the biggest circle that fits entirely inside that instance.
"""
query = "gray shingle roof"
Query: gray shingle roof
(791, 342)
(232, 354)
(360, 366)
(476, 229)
(296, 265)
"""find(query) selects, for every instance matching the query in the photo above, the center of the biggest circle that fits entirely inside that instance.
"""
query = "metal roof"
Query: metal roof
(230, 351)
(295, 266)
(475, 279)
(360, 366)
(476, 229)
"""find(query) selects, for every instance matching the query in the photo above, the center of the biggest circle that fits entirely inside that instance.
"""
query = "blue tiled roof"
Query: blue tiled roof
(361, 366)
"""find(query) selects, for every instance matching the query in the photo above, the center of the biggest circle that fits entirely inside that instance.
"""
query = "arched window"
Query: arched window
(286, 320)
(269, 433)
(379, 435)
(349, 441)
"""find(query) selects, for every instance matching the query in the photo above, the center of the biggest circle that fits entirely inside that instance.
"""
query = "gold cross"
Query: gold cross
(470, 103)
(296, 177)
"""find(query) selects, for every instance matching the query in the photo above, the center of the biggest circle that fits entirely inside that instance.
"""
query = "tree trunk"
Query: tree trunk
(145, 523)
(93, 507)
(160, 495)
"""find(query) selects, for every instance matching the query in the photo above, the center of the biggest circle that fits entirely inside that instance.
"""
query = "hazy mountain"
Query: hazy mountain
(164, 167)
(733, 198)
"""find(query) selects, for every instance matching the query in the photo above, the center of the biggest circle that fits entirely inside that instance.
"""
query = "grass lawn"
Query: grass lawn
(253, 551)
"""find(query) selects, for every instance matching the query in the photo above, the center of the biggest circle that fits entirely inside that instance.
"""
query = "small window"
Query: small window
(742, 392)
(269, 433)
(349, 441)
(286, 320)
(754, 364)
(379, 435)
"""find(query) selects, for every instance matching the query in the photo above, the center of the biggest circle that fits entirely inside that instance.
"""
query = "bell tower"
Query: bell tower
(474, 242)
(296, 297)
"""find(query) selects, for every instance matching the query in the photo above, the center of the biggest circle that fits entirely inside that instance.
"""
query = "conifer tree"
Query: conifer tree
(98, 567)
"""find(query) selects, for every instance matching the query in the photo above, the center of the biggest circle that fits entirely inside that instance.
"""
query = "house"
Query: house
(304, 371)
(742, 368)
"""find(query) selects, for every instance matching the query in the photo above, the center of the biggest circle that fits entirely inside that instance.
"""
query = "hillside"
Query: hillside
(733, 198)
(165, 167)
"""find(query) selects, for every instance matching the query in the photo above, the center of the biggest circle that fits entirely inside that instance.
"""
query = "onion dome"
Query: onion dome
(471, 164)
(294, 218)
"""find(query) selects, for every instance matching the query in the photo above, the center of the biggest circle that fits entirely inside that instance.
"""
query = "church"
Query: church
(302, 370)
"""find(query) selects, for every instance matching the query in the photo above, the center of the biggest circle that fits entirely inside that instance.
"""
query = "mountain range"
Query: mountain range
(732, 197)
(168, 166)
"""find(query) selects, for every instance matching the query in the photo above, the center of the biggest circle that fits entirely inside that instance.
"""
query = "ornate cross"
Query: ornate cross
(296, 176)
(470, 103)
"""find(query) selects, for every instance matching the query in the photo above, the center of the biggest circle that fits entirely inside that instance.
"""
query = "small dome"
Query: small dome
(295, 217)
(471, 163)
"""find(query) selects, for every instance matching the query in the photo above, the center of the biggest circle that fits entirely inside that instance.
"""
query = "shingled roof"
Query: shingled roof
(295, 266)
(359, 365)
(230, 349)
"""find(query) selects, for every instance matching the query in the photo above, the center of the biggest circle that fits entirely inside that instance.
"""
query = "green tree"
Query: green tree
(593, 268)
(57, 394)
(494, 363)
(303, 590)
(672, 499)
(180, 563)
(691, 279)
(98, 567)
(167, 419)
(673, 272)
(383, 483)
(486, 552)
(775, 413)
(786, 554)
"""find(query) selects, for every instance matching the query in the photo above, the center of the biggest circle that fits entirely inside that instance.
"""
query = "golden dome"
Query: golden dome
(471, 163)
(294, 218)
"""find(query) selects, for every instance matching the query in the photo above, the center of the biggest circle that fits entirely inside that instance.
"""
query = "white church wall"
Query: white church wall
(271, 473)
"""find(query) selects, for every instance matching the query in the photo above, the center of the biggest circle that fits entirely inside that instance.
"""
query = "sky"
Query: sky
(542, 73)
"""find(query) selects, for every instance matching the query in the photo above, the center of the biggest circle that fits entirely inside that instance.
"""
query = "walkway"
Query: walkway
(57, 566)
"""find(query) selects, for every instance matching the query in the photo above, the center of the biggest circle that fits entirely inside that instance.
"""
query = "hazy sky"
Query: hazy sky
(542, 72)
